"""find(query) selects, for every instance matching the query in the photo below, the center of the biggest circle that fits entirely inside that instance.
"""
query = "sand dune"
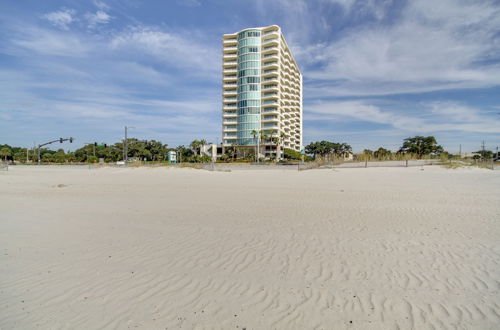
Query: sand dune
(376, 248)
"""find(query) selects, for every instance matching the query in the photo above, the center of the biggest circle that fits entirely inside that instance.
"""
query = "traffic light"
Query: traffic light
(95, 144)
(60, 140)
(105, 145)
(70, 140)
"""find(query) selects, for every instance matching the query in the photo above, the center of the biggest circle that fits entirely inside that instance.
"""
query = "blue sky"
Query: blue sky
(375, 72)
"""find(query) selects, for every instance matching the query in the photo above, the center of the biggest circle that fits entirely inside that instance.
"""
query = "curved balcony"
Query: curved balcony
(270, 103)
(229, 78)
(270, 88)
(270, 50)
(269, 95)
(270, 41)
(270, 73)
(229, 42)
(271, 64)
(271, 111)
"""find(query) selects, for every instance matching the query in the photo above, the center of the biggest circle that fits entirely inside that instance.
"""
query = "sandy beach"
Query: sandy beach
(168, 248)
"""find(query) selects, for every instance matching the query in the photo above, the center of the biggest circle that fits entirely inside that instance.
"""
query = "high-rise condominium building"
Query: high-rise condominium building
(262, 92)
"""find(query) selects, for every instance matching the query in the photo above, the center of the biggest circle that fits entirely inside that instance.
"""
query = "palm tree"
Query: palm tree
(202, 143)
(255, 135)
(281, 140)
(263, 138)
(5, 152)
(233, 150)
(196, 146)
(345, 149)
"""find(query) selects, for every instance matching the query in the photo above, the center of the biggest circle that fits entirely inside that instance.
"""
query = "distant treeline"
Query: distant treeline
(156, 151)
(150, 150)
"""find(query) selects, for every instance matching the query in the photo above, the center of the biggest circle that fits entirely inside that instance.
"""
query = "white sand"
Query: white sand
(271, 249)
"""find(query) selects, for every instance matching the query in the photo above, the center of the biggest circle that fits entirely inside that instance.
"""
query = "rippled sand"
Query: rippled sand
(376, 248)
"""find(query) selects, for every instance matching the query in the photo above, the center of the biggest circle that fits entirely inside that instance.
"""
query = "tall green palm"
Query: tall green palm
(281, 141)
(255, 134)
(234, 149)
(196, 146)
(202, 143)
(5, 152)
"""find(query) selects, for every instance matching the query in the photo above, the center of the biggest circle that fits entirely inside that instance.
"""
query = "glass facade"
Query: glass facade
(249, 46)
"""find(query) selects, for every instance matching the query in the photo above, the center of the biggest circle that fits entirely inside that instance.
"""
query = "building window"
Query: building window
(248, 34)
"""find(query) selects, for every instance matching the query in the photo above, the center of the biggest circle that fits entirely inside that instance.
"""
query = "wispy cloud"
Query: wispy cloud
(101, 5)
(393, 47)
(61, 18)
(47, 42)
(89, 77)
(99, 17)
(433, 116)
(181, 50)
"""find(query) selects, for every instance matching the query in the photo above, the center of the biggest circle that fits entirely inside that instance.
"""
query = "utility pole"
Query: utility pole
(482, 147)
(460, 151)
(125, 147)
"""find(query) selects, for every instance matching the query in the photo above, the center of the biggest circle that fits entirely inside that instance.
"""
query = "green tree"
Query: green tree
(5, 152)
(157, 150)
(233, 150)
(292, 154)
(421, 146)
(19, 154)
(184, 154)
(324, 148)
(321, 148)
(92, 159)
(382, 153)
(485, 154)
(59, 156)
(196, 146)
(342, 149)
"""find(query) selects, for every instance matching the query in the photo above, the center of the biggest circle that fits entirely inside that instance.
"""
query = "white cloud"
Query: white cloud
(100, 17)
(422, 46)
(48, 42)
(179, 50)
(433, 116)
(101, 5)
(61, 18)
